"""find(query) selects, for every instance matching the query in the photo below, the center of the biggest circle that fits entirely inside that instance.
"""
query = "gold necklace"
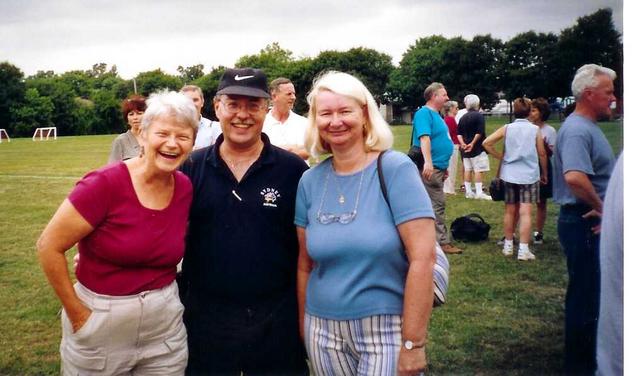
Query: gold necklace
(341, 197)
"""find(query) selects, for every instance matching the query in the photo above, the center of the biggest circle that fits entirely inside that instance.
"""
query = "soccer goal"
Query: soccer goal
(4, 134)
(44, 133)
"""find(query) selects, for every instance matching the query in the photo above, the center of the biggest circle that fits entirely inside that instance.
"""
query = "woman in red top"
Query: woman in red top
(129, 221)
(450, 110)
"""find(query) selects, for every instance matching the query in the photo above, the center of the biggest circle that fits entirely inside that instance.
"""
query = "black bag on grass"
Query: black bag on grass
(470, 228)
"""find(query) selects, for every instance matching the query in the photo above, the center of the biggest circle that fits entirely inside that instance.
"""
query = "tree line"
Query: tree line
(530, 64)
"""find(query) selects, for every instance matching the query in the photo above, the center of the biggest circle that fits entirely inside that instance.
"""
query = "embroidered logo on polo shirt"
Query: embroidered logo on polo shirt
(270, 196)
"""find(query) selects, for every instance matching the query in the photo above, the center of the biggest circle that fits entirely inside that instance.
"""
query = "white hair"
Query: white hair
(378, 135)
(472, 101)
(586, 78)
(170, 103)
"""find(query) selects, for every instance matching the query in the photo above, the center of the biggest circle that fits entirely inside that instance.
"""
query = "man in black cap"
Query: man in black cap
(239, 269)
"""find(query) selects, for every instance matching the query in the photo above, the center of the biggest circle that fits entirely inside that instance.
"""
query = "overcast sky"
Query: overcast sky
(138, 36)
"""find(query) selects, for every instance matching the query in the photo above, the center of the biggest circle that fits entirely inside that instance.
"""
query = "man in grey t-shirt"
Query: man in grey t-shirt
(582, 164)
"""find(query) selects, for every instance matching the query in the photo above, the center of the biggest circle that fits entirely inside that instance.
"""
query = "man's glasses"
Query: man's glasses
(344, 218)
(235, 107)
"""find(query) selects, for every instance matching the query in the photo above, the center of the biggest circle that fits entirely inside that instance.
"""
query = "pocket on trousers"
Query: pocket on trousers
(94, 359)
(88, 329)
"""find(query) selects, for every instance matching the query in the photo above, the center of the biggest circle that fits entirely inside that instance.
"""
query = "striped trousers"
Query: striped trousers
(367, 346)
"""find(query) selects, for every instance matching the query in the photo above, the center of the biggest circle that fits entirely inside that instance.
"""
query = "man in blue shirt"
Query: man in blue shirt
(431, 135)
(582, 164)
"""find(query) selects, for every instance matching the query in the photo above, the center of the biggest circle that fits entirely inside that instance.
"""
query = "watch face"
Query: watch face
(408, 345)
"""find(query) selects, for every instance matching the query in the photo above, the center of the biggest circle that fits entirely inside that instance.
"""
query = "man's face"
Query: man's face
(196, 98)
(284, 96)
(241, 119)
(439, 99)
(601, 96)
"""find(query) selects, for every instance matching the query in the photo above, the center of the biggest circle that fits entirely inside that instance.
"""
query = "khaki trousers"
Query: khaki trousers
(435, 189)
(139, 334)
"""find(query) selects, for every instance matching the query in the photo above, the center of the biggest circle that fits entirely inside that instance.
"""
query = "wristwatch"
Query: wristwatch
(410, 345)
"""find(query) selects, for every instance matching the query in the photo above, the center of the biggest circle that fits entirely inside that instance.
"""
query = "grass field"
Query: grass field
(502, 316)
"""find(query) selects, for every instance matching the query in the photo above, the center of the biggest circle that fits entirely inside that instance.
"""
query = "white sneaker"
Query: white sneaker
(526, 255)
(483, 196)
(470, 195)
(507, 251)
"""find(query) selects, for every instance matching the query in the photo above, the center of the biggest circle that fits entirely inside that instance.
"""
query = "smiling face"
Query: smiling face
(241, 119)
(134, 119)
(167, 143)
(340, 120)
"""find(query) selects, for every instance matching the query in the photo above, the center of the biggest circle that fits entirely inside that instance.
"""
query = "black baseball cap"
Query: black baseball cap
(244, 81)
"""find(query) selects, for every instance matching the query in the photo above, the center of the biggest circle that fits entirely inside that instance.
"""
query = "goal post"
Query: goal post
(4, 134)
(44, 133)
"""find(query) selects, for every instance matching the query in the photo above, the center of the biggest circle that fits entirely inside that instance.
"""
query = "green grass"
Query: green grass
(502, 317)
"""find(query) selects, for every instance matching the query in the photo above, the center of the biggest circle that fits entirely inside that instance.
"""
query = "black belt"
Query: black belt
(576, 208)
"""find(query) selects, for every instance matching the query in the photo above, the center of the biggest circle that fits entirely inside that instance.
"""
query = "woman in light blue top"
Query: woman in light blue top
(364, 299)
(522, 160)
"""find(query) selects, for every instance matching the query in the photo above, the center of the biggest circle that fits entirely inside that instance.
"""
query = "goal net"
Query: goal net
(43, 134)
(4, 135)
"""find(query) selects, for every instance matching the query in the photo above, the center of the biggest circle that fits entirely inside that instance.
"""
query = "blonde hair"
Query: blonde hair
(377, 133)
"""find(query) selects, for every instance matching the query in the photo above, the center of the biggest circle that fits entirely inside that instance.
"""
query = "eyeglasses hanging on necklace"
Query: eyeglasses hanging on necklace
(343, 218)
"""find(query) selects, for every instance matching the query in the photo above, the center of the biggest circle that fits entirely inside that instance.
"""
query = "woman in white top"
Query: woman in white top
(523, 153)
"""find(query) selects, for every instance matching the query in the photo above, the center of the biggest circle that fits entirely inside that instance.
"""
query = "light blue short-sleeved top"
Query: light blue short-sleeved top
(359, 268)
(581, 146)
(428, 122)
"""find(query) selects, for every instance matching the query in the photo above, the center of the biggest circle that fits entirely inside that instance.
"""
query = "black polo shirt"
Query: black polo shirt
(241, 242)
(469, 125)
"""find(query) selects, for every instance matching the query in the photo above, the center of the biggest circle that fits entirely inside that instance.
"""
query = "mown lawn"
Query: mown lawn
(502, 316)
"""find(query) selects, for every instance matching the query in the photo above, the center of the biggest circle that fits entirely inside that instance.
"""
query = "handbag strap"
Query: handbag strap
(504, 151)
(383, 185)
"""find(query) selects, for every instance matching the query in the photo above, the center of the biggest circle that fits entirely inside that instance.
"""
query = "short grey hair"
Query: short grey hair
(586, 78)
(195, 88)
(446, 109)
(472, 101)
(431, 90)
(170, 103)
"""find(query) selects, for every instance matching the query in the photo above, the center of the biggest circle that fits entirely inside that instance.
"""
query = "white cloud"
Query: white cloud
(143, 35)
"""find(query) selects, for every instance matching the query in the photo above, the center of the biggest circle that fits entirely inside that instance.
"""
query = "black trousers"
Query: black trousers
(582, 304)
(256, 339)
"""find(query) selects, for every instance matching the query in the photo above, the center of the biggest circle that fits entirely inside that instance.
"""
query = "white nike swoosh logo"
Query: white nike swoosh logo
(240, 78)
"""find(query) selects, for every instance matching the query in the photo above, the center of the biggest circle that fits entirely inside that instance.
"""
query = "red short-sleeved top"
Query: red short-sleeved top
(453, 129)
(132, 248)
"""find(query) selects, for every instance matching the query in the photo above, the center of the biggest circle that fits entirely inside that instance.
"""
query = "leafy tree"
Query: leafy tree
(462, 66)
(423, 63)
(61, 94)
(12, 91)
(80, 81)
(593, 39)
(273, 60)
(151, 81)
(370, 66)
(190, 74)
(108, 118)
(209, 85)
(528, 57)
(36, 111)
(482, 72)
